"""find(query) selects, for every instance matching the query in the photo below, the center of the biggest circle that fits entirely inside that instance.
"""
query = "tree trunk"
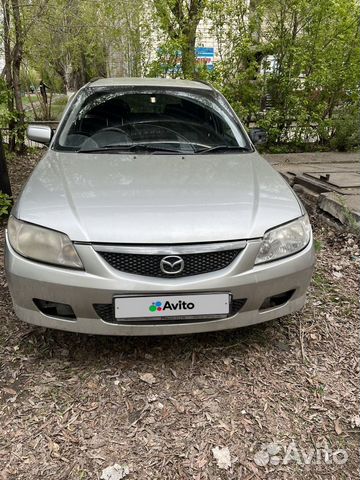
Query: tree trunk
(16, 84)
(188, 59)
(8, 72)
(4, 175)
(180, 21)
(188, 26)
(20, 127)
(13, 59)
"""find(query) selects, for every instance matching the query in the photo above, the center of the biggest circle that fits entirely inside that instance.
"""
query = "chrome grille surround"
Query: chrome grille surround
(146, 260)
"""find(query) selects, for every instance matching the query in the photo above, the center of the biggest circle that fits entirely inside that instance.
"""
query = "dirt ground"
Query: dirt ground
(72, 405)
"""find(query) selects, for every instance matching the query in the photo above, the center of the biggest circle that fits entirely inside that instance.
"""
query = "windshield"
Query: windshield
(156, 120)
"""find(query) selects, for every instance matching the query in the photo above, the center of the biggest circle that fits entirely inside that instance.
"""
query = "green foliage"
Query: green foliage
(179, 20)
(288, 66)
(79, 40)
(167, 61)
(318, 246)
(345, 130)
(312, 87)
(5, 204)
(5, 114)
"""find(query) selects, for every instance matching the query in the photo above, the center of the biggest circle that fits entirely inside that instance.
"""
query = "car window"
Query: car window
(183, 121)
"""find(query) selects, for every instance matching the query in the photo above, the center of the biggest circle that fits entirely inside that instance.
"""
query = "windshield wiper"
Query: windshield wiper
(136, 147)
(218, 148)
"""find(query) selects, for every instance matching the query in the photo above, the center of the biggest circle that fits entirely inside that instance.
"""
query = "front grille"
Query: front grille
(106, 312)
(149, 265)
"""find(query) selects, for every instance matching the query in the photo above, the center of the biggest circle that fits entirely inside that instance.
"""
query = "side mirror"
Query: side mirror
(258, 136)
(39, 133)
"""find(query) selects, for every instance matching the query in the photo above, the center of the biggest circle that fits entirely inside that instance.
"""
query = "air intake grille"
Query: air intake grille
(106, 312)
(149, 265)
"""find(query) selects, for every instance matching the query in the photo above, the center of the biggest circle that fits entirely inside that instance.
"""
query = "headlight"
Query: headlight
(42, 244)
(285, 240)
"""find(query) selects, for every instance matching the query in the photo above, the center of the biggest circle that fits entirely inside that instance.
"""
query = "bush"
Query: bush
(346, 131)
(5, 204)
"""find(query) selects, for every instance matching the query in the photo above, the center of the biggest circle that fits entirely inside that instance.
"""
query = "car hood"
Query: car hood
(159, 199)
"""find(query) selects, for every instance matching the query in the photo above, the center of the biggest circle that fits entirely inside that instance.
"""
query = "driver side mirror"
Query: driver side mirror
(39, 133)
(258, 136)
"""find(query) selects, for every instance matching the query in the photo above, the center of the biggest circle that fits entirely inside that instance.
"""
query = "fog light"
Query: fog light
(276, 300)
(55, 309)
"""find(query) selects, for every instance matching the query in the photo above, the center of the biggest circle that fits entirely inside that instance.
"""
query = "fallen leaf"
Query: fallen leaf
(179, 407)
(224, 426)
(148, 378)
(93, 406)
(208, 417)
(152, 397)
(337, 427)
(337, 275)
(222, 457)
(201, 462)
(97, 442)
(9, 391)
(355, 421)
(115, 472)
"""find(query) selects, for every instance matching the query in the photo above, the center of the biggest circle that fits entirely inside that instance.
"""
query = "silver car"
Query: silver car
(152, 213)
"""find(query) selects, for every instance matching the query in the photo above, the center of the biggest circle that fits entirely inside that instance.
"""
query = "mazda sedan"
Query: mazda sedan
(152, 213)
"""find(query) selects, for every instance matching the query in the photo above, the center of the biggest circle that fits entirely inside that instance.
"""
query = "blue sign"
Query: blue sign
(205, 52)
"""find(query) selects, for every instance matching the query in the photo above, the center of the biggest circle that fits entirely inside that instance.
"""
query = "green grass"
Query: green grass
(321, 281)
(26, 101)
(58, 105)
(56, 111)
(318, 246)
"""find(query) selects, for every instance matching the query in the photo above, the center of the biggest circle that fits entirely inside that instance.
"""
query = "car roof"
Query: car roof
(149, 82)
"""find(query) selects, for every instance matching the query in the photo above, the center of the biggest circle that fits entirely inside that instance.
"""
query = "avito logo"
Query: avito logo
(180, 305)
(155, 306)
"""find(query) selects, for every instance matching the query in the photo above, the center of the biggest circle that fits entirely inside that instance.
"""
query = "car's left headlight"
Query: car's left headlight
(42, 244)
(284, 240)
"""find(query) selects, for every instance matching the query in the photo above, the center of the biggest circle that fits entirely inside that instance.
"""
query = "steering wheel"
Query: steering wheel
(115, 129)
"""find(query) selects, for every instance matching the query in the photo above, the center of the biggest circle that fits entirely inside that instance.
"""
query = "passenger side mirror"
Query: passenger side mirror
(258, 136)
(39, 133)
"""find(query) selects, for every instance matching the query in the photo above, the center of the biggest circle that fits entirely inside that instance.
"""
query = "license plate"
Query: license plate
(163, 306)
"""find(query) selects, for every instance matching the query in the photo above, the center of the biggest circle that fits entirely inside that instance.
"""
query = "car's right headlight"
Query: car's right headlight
(284, 240)
(42, 244)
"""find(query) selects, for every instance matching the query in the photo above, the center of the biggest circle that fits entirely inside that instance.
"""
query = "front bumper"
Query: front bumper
(100, 282)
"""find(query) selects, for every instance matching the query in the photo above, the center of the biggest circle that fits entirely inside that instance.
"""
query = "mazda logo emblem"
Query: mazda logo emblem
(172, 265)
